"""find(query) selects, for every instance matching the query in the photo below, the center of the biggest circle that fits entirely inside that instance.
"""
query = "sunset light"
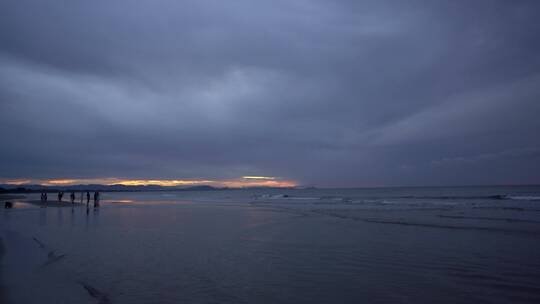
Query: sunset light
(269, 151)
(244, 181)
(16, 181)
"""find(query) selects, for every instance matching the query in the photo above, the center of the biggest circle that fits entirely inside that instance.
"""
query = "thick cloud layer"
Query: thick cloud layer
(327, 93)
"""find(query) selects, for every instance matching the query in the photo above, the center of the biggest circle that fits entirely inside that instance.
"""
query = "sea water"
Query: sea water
(381, 245)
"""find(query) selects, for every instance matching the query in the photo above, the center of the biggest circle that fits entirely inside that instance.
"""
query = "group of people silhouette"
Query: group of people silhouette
(72, 197)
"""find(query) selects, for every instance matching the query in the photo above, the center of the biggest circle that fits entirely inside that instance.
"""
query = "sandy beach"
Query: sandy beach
(2, 291)
(270, 152)
(28, 263)
(7, 197)
(29, 275)
(22, 201)
(270, 247)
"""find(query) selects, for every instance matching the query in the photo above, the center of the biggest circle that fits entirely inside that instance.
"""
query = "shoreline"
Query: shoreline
(4, 197)
(3, 297)
(53, 203)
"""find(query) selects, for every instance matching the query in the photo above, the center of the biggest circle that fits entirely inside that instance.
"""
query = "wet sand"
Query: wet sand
(52, 203)
(3, 297)
(21, 200)
(7, 197)
(238, 248)
(30, 273)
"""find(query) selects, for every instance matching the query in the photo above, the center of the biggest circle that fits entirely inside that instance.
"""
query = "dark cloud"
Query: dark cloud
(341, 93)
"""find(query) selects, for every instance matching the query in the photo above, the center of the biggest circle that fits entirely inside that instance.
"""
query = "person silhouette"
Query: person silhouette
(72, 196)
(60, 194)
(96, 199)
(45, 196)
(87, 197)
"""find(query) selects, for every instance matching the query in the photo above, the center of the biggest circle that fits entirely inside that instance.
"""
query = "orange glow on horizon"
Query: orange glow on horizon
(61, 181)
(157, 182)
(16, 182)
(242, 182)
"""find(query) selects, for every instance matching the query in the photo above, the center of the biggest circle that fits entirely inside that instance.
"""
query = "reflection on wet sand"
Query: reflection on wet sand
(288, 249)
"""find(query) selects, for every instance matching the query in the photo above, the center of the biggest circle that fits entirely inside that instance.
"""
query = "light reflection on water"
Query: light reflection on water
(229, 248)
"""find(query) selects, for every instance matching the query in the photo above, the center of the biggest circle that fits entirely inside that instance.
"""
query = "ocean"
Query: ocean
(380, 245)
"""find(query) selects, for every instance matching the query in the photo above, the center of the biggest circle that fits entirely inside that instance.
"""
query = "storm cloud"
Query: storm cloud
(326, 93)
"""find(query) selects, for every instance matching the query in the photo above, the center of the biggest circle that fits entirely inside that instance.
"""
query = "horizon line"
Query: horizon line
(243, 181)
(255, 185)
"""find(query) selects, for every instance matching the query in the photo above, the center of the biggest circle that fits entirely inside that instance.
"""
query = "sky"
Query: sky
(309, 93)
